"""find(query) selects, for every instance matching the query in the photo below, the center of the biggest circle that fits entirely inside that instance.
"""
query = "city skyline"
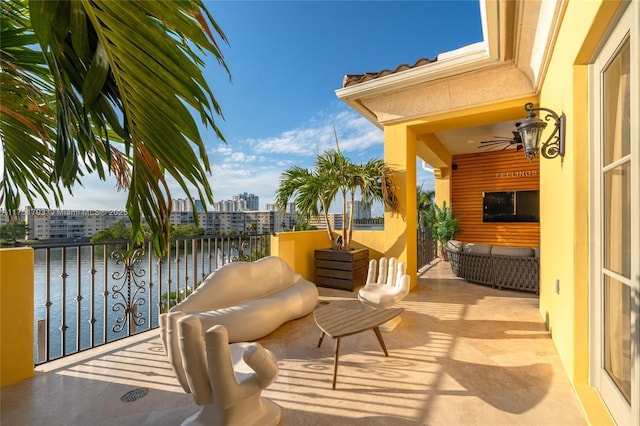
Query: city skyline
(65, 224)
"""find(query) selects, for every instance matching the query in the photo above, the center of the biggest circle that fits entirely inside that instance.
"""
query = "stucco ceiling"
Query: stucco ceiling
(467, 140)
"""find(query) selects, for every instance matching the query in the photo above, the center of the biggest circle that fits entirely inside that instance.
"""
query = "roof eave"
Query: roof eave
(450, 63)
(469, 58)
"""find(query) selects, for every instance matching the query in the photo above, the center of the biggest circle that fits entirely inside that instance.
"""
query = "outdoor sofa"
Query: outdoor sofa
(516, 268)
(249, 299)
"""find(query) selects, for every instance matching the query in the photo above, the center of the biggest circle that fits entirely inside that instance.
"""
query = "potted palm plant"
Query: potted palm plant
(313, 190)
(443, 225)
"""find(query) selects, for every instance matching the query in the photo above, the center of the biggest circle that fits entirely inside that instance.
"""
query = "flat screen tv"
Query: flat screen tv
(511, 206)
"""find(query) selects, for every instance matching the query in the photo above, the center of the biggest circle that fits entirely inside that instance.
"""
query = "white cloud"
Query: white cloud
(221, 149)
(354, 133)
(95, 194)
(261, 182)
(240, 157)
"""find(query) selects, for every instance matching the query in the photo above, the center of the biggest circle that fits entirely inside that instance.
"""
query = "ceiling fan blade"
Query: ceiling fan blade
(497, 141)
(493, 145)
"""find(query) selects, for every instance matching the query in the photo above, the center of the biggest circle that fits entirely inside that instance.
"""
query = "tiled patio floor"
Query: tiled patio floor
(464, 354)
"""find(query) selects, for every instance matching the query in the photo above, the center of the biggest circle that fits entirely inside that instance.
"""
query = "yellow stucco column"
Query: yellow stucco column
(400, 230)
(16, 315)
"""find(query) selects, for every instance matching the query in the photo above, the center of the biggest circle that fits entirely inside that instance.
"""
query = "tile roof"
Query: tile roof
(353, 79)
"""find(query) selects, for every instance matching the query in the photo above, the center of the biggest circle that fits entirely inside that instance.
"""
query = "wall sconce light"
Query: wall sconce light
(531, 129)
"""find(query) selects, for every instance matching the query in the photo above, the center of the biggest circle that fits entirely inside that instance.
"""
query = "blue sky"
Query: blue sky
(287, 59)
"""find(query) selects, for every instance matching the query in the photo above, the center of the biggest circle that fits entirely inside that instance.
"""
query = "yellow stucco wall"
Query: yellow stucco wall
(16, 315)
(297, 248)
(373, 240)
(564, 187)
(564, 197)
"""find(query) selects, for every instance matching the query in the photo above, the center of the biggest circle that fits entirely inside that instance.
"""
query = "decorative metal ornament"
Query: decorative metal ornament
(129, 292)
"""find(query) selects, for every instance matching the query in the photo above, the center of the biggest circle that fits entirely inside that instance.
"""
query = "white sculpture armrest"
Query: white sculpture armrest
(262, 362)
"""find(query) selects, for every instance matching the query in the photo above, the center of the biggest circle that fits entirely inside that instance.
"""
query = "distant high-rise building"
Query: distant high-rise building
(181, 205)
(69, 224)
(291, 207)
(335, 220)
(239, 203)
(224, 206)
(247, 201)
(74, 224)
(184, 205)
(360, 212)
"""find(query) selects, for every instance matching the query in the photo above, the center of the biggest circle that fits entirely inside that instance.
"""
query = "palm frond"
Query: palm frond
(127, 76)
(27, 113)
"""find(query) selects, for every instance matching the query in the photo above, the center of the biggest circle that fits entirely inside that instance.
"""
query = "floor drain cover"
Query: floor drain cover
(134, 395)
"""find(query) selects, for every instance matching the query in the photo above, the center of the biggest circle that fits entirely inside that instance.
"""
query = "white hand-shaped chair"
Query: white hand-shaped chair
(226, 380)
(390, 287)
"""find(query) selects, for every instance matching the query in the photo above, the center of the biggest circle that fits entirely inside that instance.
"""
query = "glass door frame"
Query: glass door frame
(626, 28)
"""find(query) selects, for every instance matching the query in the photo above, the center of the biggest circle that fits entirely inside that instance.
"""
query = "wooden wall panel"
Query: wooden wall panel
(487, 172)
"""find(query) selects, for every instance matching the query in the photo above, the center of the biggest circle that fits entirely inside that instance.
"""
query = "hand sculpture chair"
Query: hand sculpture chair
(390, 287)
(226, 380)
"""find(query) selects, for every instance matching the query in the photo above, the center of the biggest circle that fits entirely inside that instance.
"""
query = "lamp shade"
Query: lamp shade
(530, 131)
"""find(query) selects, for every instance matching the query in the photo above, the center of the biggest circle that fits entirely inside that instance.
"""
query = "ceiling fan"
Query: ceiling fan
(502, 143)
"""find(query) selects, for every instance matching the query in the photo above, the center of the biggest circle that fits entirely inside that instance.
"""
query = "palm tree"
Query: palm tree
(313, 190)
(424, 202)
(332, 174)
(373, 180)
(109, 91)
(444, 225)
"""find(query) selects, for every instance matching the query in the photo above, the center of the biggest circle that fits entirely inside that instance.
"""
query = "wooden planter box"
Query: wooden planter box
(340, 269)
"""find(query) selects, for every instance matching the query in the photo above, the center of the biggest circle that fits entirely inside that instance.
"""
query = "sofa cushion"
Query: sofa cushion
(253, 319)
(512, 251)
(473, 248)
(238, 282)
(454, 245)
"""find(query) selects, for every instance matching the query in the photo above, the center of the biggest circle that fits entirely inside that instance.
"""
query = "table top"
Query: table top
(337, 321)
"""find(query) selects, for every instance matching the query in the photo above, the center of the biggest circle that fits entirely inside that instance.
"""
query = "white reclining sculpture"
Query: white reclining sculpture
(226, 380)
(250, 299)
(390, 287)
